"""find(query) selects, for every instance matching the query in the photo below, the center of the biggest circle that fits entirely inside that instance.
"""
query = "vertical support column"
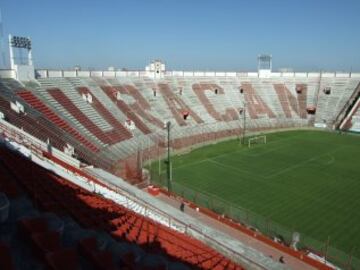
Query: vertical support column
(30, 61)
(244, 124)
(169, 174)
(12, 60)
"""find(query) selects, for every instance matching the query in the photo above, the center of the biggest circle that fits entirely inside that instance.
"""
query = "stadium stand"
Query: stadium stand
(111, 92)
(67, 227)
(81, 117)
(120, 133)
(352, 119)
(342, 120)
(329, 106)
(37, 104)
(30, 124)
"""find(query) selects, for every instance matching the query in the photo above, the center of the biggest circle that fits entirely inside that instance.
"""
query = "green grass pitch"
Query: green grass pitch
(306, 181)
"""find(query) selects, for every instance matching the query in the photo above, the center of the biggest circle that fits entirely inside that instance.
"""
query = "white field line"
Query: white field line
(267, 176)
(300, 164)
(255, 178)
(237, 151)
(331, 160)
(226, 166)
(278, 172)
(265, 152)
(263, 180)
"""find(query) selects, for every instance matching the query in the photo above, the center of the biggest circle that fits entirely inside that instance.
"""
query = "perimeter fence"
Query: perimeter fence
(265, 225)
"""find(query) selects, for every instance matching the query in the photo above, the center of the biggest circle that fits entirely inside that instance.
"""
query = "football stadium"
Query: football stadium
(169, 168)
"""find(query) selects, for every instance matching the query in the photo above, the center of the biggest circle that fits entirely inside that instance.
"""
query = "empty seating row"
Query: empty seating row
(33, 126)
(111, 93)
(119, 132)
(62, 99)
(37, 104)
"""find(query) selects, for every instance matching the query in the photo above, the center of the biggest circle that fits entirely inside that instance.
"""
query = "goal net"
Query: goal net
(257, 140)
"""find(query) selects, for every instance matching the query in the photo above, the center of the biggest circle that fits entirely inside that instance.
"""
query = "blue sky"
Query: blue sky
(189, 34)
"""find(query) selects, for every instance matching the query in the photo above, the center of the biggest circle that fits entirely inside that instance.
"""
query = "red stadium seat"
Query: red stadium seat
(6, 261)
(63, 259)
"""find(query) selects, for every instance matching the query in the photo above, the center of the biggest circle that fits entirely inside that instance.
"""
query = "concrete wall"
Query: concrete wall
(7, 73)
(300, 74)
(230, 74)
(287, 74)
(55, 73)
(24, 72)
(253, 74)
(241, 74)
(328, 75)
(209, 74)
(83, 73)
(43, 73)
(342, 75)
(120, 74)
(276, 74)
(220, 74)
(70, 73)
(109, 73)
(355, 75)
(133, 73)
(313, 74)
(96, 73)
(199, 74)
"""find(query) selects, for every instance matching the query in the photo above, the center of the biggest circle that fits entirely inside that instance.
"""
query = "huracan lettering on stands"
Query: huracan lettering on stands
(254, 104)
(119, 131)
(289, 102)
(177, 106)
(82, 118)
(200, 88)
(134, 111)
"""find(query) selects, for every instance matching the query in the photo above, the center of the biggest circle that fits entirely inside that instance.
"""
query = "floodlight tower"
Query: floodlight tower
(264, 65)
(23, 71)
(2, 42)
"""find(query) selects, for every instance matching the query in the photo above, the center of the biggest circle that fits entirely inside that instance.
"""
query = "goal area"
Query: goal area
(256, 140)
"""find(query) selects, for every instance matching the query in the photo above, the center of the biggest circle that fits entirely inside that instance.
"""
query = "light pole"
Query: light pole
(159, 159)
(244, 123)
(160, 138)
(169, 176)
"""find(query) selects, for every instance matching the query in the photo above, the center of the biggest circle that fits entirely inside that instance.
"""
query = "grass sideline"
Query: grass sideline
(306, 181)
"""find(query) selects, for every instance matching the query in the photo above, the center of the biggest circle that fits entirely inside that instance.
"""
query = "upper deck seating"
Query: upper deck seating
(215, 108)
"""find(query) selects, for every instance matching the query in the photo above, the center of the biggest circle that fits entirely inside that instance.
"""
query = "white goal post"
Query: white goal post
(257, 140)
